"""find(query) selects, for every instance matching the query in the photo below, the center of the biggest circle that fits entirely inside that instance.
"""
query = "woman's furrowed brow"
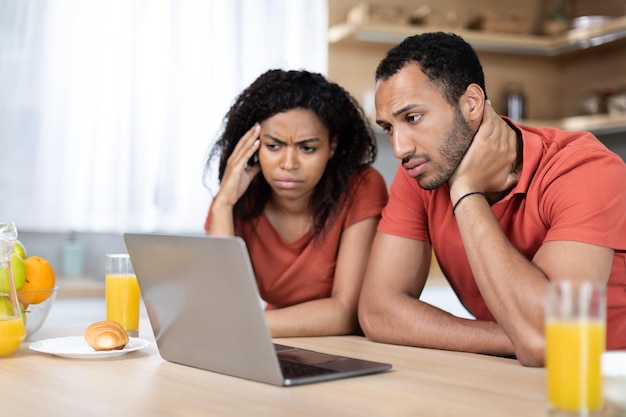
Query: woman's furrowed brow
(302, 141)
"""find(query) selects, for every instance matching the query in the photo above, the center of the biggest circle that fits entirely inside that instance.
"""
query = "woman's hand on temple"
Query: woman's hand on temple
(238, 175)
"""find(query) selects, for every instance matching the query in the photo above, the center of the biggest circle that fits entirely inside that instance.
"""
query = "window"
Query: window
(108, 108)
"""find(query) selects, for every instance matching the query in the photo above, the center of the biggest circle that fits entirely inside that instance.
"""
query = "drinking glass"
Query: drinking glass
(575, 341)
(122, 294)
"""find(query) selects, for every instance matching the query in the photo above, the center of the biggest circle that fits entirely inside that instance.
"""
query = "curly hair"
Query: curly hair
(448, 61)
(277, 91)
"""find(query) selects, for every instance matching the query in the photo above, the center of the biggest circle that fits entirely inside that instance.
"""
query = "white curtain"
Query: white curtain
(108, 108)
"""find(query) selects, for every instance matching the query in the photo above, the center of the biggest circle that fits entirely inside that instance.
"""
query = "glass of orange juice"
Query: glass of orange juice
(122, 293)
(575, 340)
(12, 330)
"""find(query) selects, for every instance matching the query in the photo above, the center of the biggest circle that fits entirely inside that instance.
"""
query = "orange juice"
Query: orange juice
(573, 363)
(122, 301)
(12, 332)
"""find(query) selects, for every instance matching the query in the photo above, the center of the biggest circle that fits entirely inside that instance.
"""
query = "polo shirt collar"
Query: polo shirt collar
(532, 152)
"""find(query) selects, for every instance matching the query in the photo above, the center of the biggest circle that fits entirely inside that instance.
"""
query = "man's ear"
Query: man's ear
(472, 104)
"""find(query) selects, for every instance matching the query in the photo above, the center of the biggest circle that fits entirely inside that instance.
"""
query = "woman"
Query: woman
(309, 207)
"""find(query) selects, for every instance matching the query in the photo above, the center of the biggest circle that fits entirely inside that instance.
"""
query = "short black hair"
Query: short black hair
(277, 91)
(447, 60)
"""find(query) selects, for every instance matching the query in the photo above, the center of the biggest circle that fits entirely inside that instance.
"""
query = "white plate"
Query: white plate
(614, 363)
(77, 348)
(614, 381)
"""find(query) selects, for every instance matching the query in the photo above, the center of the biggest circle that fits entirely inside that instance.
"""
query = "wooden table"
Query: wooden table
(423, 382)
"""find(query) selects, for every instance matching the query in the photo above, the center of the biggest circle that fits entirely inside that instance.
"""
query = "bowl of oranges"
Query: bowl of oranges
(36, 288)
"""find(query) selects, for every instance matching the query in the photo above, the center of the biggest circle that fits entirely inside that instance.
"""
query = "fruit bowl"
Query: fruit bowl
(614, 382)
(37, 305)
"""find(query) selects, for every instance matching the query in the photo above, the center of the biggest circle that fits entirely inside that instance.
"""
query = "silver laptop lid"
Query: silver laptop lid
(203, 304)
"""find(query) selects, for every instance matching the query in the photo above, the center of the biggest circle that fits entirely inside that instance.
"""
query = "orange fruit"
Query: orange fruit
(39, 276)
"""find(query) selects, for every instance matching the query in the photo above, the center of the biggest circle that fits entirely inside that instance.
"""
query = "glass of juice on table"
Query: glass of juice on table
(12, 330)
(122, 293)
(575, 340)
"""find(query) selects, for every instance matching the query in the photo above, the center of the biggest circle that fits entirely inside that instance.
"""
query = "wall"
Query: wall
(49, 245)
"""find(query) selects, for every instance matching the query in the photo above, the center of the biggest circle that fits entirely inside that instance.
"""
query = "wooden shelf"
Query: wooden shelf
(599, 124)
(550, 46)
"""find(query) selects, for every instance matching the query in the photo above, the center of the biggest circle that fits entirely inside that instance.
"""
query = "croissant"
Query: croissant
(106, 335)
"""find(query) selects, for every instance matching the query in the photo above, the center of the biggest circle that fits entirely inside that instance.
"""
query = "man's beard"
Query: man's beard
(452, 150)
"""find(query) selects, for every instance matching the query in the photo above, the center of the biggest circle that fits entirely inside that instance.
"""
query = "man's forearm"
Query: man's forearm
(512, 286)
(404, 320)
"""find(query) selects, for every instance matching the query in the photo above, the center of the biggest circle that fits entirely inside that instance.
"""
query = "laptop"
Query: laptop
(204, 307)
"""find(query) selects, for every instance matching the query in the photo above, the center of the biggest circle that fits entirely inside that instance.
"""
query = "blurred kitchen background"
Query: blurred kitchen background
(109, 107)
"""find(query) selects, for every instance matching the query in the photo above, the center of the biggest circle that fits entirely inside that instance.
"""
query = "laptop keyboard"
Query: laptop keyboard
(298, 370)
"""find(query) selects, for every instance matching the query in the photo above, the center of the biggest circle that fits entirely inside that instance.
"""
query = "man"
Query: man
(506, 208)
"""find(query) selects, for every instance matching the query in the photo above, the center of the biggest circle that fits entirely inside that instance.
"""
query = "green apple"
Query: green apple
(6, 308)
(19, 274)
(20, 250)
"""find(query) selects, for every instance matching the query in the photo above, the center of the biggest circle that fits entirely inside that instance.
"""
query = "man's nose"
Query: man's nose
(402, 144)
